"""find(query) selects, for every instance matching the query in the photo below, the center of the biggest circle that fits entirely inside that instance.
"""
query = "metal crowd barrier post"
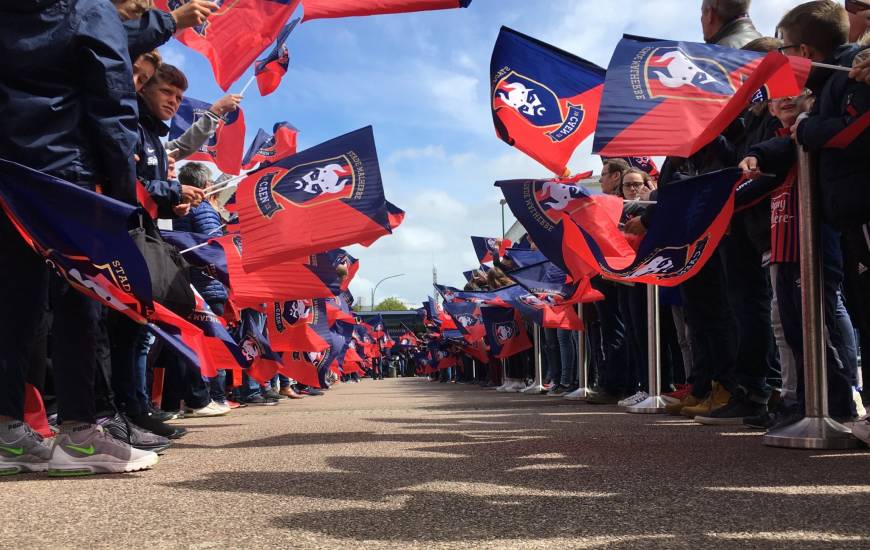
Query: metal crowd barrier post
(582, 376)
(817, 430)
(537, 385)
(654, 403)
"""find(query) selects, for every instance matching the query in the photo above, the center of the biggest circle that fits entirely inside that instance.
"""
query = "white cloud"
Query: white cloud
(174, 54)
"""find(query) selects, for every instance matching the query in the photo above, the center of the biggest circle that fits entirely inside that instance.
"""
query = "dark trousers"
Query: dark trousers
(714, 329)
(839, 377)
(552, 367)
(612, 366)
(856, 260)
(181, 381)
(632, 308)
(25, 282)
(749, 292)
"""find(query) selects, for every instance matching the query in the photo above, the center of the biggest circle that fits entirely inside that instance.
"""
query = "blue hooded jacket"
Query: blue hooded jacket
(67, 103)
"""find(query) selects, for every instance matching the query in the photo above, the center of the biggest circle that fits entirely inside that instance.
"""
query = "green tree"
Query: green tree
(391, 304)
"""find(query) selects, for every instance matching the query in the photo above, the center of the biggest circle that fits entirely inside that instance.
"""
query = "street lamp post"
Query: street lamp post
(502, 202)
(375, 288)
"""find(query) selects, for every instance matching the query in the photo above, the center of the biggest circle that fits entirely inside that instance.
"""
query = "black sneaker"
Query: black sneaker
(272, 394)
(151, 424)
(122, 429)
(768, 419)
(733, 413)
(558, 390)
(162, 415)
(259, 400)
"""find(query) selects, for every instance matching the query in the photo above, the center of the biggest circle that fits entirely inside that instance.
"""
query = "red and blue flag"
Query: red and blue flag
(268, 148)
(487, 248)
(233, 36)
(323, 198)
(225, 147)
(271, 69)
(323, 9)
(672, 98)
(505, 332)
(544, 100)
(298, 325)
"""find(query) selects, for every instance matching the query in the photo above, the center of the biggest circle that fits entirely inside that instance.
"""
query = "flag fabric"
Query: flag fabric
(82, 235)
(302, 366)
(269, 148)
(226, 146)
(322, 9)
(523, 257)
(271, 69)
(468, 319)
(233, 36)
(264, 363)
(341, 259)
(200, 252)
(312, 277)
(298, 325)
(221, 351)
(544, 100)
(547, 279)
(505, 332)
(646, 164)
(487, 248)
(481, 297)
(689, 221)
(672, 98)
(323, 198)
(543, 308)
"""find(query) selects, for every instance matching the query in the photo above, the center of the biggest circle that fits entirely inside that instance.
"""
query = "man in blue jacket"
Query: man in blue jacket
(67, 107)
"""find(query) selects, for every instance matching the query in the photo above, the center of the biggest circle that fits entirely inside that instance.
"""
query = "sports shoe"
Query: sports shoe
(598, 397)
(122, 429)
(258, 400)
(732, 414)
(633, 400)
(212, 409)
(22, 449)
(235, 404)
(717, 399)
(771, 417)
(861, 430)
(85, 449)
(679, 394)
(272, 394)
(674, 409)
(162, 415)
(151, 424)
(311, 391)
(288, 392)
(558, 390)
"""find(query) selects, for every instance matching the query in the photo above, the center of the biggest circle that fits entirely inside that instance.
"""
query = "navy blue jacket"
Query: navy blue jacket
(67, 103)
(203, 219)
(153, 29)
(843, 172)
(153, 166)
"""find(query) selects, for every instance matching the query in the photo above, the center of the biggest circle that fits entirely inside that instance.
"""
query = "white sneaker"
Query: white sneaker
(861, 430)
(508, 383)
(22, 449)
(576, 395)
(859, 404)
(516, 387)
(85, 449)
(212, 409)
(633, 400)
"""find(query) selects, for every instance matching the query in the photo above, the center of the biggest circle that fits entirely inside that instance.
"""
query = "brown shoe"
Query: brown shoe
(688, 401)
(288, 392)
(717, 399)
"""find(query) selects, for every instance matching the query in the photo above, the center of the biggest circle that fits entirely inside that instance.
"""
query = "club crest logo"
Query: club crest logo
(534, 301)
(284, 58)
(251, 348)
(538, 105)
(554, 197)
(504, 331)
(492, 244)
(307, 184)
(404, 342)
(297, 311)
(669, 72)
(466, 320)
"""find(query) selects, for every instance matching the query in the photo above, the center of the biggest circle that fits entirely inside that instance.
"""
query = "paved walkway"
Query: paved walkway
(409, 463)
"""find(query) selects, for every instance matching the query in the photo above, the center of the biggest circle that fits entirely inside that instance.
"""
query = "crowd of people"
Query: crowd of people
(731, 336)
(86, 97)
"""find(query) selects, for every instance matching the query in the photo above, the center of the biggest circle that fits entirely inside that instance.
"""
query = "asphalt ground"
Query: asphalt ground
(408, 463)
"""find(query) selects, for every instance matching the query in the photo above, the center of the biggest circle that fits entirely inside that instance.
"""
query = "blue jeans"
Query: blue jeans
(568, 354)
(141, 349)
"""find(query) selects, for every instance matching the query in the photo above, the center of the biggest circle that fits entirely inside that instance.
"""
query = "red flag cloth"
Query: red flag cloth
(234, 35)
(145, 199)
(225, 147)
(325, 197)
(292, 325)
(34, 412)
(270, 148)
(270, 70)
(298, 366)
(324, 9)
(673, 98)
(189, 334)
(277, 282)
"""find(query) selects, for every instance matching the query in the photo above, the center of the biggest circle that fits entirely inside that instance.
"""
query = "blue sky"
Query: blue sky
(421, 80)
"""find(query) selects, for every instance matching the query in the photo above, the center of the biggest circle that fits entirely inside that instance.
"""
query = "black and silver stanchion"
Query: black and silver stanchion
(473, 371)
(654, 403)
(817, 430)
(537, 386)
(580, 392)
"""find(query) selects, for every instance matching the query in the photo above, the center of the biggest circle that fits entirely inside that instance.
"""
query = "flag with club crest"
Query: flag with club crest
(505, 332)
(271, 69)
(487, 248)
(268, 148)
(225, 147)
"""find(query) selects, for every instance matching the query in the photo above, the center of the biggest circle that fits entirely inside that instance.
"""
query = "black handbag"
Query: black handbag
(170, 279)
